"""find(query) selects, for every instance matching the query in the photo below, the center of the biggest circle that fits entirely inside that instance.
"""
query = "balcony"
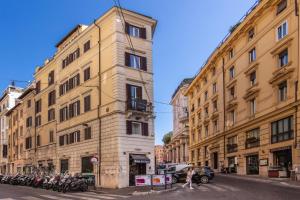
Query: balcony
(252, 142)
(139, 105)
(231, 148)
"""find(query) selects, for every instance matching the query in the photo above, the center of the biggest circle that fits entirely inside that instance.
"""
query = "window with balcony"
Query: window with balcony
(252, 55)
(282, 30)
(135, 31)
(252, 138)
(282, 130)
(134, 98)
(232, 145)
(283, 58)
(231, 73)
(282, 91)
(135, 61)
(281, 6)
(252, 78)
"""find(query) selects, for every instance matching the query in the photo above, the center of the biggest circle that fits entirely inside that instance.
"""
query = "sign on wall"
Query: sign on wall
(143, 180)
(263, 162)
(158, 180)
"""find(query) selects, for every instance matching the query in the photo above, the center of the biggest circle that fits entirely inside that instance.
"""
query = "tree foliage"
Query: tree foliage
(167, 138)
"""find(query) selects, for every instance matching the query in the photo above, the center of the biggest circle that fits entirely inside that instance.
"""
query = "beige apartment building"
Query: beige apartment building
(7, 102)
(93, 102)
(244, 102)
(159, 154)
(177, 151)
(21, 134)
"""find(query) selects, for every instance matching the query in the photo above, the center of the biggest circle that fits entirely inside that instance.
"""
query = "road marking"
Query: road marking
(229, 187)
(203, 189)
(107, 194)
(31, 198)
(78, 197)
(54, 197)
(219, 189)
(104, 196)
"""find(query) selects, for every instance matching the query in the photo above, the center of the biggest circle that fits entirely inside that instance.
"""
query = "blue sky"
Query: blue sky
(187, 32)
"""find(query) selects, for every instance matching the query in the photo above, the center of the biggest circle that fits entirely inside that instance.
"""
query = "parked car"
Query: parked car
(202, 175)
(176, 168)
(212, 173)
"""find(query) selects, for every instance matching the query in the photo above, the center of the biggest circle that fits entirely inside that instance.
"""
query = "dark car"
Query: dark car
(201, 175)
(210, 171)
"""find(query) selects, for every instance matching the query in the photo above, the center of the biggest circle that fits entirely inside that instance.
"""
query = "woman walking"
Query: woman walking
(189, 178)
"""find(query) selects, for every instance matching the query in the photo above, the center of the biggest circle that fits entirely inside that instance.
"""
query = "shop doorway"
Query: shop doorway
(137, 166)
(252, 165)
(232, 168)
(283, 160)
(216, 160)
(64, 165)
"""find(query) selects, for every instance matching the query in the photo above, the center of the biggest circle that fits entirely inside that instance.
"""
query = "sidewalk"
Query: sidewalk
(281, 181)
(134, 191)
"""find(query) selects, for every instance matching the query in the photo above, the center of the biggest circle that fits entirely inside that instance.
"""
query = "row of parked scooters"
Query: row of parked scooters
(61, 183)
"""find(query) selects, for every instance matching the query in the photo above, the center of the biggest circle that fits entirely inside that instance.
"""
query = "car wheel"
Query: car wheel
(204, 180)
(174, 180)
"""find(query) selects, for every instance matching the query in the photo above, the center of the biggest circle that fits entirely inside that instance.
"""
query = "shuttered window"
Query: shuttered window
(87, 74)
(135, 61)
(137, 128)
(135, 31)
(51, 98)
(86, 46)
(87, 103)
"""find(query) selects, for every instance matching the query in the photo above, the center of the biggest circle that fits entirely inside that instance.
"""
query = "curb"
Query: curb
(262, 180)
(136, 193)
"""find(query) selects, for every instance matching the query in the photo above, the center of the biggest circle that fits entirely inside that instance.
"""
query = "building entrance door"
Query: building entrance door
(216, 160)
(137, 166)
(283, 159)
(252, 164)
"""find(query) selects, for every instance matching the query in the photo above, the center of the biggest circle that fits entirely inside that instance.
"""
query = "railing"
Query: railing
(232, 148)
(137, 105)
(252, 142)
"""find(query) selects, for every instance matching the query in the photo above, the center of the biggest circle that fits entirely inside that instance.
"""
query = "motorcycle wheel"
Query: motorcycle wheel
(66, 189)
(84, 187)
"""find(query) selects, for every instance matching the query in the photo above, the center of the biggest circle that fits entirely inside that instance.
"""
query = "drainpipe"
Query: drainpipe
(99, 105)
(224, 105)
(296, 83)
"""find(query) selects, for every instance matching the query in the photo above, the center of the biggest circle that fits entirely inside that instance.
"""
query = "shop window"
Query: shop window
(86, 165)
(282, 130)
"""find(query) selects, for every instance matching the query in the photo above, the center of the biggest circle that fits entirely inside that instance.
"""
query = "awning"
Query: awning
(137, 158)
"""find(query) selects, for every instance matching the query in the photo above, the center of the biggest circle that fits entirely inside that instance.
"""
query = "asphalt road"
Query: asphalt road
(221, 188)
(228, 188)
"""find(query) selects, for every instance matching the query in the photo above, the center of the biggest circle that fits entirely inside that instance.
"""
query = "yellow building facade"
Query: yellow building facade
(92, 102)
(244, 102)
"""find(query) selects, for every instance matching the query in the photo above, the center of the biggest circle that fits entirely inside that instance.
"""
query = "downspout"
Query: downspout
(224, 104)
(99, 105)
(296, 83)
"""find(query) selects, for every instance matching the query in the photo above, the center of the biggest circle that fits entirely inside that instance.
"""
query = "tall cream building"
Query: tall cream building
(177, 151)
(91, 109)
(244, 103)
(7, 102)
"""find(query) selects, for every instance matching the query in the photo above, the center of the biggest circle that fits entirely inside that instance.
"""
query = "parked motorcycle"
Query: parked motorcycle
(76, 183)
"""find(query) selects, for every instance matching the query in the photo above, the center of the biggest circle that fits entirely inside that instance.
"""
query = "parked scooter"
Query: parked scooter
(76, 183)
